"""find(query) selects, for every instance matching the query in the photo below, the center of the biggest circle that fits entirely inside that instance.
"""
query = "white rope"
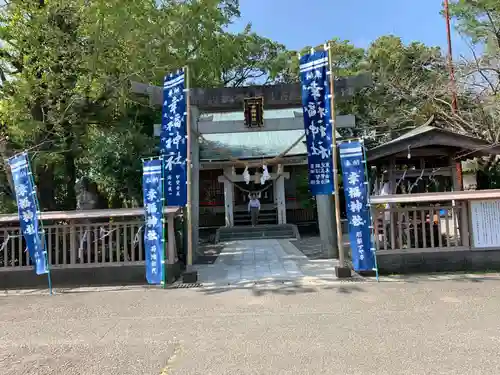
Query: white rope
(105, 233)
(416, 181)
(5, 242)
(136, 237)
(399, 181)
(251, 191)
(83, 239)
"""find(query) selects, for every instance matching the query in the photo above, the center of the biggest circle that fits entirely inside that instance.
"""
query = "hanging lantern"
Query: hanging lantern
(246, 176)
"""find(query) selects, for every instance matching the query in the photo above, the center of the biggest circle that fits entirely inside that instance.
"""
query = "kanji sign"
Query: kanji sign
(317, 121)
(153, 220)
(358, 210)
(173, 139)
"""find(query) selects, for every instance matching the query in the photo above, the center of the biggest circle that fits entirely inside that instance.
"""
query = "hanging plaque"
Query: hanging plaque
(254, 111)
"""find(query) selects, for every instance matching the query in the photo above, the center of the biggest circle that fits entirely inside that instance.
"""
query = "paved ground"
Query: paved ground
(418, 326)
(312, 247)
(241, 262)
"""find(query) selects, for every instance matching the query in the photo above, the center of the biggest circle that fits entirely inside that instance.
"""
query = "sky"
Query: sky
(299, 23)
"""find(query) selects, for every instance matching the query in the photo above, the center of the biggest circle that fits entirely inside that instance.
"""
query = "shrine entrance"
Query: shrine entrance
(265, 194)
(264, 191)
(270, 192)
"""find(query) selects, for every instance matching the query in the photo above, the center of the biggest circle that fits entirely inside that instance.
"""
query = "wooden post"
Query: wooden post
(393, 216)
(340, 241)
(463, 218)
(189, 257)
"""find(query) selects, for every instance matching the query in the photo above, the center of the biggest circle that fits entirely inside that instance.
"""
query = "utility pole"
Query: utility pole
(453, 87)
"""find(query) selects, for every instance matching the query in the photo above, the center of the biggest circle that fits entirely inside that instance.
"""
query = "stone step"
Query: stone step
(268, 234)
(262, 220)
(257, 236)
(258, 228)
(261, 233)
(269, 231)
(261, 213)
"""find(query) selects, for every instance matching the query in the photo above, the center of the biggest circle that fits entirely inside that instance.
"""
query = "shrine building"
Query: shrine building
(249, 128)
(260, 128)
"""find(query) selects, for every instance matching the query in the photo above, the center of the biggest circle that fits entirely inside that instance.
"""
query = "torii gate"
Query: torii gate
(275, 97)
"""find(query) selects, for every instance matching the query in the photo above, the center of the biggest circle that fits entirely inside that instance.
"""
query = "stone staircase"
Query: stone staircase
(266, 231)
(269, 216)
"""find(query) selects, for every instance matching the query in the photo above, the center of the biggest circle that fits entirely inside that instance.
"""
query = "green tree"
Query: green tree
(480, 21)
(65, 67)
(346, 60)
(409, 82)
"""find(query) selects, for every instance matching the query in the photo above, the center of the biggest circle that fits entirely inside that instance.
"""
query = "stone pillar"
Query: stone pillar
(281, 199)
(195, 181)
(171, 255)
(326, 222)
(275, 194)
(228, 198)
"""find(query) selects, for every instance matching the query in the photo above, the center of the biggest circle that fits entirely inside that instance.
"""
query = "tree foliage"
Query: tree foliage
(407, 79)
(65, 69)
(65, 66)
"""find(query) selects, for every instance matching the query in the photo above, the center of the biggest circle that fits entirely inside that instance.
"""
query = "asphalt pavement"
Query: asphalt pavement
(420, 325)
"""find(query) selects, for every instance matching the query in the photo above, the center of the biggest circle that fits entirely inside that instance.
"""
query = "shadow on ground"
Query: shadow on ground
(284, 288)
(263, 288)
(464, 278)
(208, 253)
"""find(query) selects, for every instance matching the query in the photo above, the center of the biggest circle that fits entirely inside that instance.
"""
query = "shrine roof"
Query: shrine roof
(429, 135)
(265, 144)
(250, 145)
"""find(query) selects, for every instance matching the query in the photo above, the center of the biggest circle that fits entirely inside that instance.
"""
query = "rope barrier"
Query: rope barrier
(252, 191)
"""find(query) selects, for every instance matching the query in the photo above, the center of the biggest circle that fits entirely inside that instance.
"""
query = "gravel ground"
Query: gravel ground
(412, 325)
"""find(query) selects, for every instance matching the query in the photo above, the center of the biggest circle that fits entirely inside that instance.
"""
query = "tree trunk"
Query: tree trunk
(46, 188)
(70, 169)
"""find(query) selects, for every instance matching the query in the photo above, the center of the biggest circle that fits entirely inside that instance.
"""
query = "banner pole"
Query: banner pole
(189, 258)
(42, 231)
(165, 252)
(368, 190)
(340, 242)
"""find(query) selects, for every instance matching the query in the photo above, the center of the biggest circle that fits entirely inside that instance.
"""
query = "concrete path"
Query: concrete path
(250, 261)
(410, 326)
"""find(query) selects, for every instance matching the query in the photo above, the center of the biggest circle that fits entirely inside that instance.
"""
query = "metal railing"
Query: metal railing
(87, 238)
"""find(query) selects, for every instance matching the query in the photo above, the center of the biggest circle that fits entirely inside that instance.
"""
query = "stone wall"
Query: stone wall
(440, 261)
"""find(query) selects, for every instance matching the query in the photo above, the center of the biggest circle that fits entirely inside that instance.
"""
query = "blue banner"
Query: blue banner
(27, 205)
(173, 139)
(358, 209)
(317, 121)
(152, 185)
